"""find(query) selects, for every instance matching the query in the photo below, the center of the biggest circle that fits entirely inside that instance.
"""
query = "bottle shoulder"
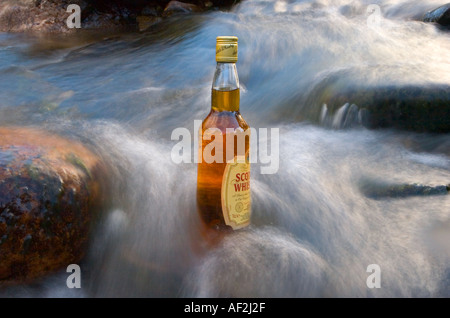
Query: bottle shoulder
(223, 120)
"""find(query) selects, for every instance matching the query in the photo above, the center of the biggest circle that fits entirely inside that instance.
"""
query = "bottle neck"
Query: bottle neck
(225, 88)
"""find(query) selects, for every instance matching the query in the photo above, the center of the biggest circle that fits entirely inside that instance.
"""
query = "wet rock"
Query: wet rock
(50, 193)
(141, 4)
(42, 16)
(416, 108)
(146, 22)
(376, 189)
(149, 11)
(440, 15)
(119, 15)
(174, 7)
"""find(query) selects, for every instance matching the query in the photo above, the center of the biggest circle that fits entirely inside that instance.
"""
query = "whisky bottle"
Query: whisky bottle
(223, 184)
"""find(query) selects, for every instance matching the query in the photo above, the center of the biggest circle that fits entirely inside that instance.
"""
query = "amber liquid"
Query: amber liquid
(224, 114)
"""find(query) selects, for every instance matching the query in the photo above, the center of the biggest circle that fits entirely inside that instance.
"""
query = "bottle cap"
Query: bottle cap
(227, 49)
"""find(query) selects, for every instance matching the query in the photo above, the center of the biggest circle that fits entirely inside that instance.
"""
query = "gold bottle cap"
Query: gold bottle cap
(227, 49)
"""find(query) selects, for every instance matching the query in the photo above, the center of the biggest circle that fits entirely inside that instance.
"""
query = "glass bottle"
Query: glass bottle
(223, 181)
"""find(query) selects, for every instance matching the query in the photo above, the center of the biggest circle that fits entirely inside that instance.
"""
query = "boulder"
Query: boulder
(180, 7)
(50, 194)
(145, 22)
(440, 15)
(420, 108)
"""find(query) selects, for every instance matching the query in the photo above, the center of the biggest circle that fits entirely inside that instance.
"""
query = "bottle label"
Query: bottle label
(236, 201)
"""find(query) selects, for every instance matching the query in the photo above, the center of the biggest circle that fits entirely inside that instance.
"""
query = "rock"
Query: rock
(50, 15)
(180, 7)
(416, 108)
(440, 15)
(50, 193)
(376, 189)
(149, 11)
(146, 22)
(141, 4)
(421, 109)
(42, 16)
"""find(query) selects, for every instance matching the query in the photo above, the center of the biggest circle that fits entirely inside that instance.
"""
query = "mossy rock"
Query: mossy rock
(50, 194)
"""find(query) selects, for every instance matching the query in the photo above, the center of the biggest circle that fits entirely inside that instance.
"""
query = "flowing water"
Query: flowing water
(314, 230)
